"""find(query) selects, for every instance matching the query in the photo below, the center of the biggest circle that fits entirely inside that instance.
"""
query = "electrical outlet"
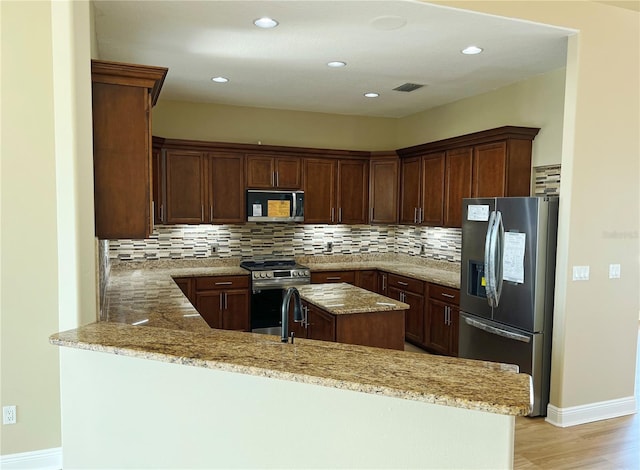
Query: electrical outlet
(581, 273)
(9, 414)
(214, 248)
(614, 271)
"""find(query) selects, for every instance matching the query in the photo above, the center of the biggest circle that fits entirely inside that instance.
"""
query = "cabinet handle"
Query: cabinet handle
(420, 219)
(273, 178)
(305, 316)
(202, 212)
(449, 296)
(210, 212)
(332, 212)
(403, 283)
(415, 215)
(226, 301)
(333, 278)
(277, 179)
(226, 283)
(161, 212)
(340, 214)
(153, 215)
(221, 304)
(384, 282)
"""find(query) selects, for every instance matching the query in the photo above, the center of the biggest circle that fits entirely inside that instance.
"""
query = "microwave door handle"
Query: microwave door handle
(295, 205)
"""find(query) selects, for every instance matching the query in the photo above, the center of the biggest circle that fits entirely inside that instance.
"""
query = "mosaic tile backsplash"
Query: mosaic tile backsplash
(282, 239)
(547, 180)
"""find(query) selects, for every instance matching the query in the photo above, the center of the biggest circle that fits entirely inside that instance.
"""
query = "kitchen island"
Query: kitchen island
(237, 399)
(348, 314)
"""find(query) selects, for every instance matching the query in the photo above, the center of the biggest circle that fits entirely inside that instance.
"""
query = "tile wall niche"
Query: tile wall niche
(275, 239)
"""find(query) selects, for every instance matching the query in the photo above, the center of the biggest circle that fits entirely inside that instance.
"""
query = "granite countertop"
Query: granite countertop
(438, 272)
(441, 380)
(344, 299)
(145, 294)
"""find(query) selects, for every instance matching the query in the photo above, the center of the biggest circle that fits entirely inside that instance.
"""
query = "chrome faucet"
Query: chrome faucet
(297, 312)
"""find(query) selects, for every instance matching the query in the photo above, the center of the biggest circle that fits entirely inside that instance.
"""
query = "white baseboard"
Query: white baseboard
(46, 459)
(574, 415)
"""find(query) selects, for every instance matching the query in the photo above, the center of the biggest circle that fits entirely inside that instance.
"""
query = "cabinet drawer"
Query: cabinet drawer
(333, 276)
(445, 294)
(221, 282)
(406, 283)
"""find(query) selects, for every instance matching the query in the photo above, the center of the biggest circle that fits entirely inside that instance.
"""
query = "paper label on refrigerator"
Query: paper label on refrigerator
(478, 212)
(257, 210)
(513, 259)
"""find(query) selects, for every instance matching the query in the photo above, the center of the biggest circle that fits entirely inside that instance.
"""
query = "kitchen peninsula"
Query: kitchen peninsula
(175, 378)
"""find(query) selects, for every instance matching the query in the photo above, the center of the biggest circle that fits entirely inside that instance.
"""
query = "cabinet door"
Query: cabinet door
(209, 306)
(367, 280)
(410, 190)
(458, 184)
(490, 170)
(235, 310)
(226, 188)
(319, 186)
(288, 173)
(321, 326)
(437, 329)
(383, 191)
(260, 172)
(185, 187)
(157, 180)
(433, 168)
(414, 316)
(353, 191)
(122, 161)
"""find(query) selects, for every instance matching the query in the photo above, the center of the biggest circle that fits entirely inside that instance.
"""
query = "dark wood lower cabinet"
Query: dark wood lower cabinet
(377, 329)
(414, 317)
(227, 310)
(367, 280)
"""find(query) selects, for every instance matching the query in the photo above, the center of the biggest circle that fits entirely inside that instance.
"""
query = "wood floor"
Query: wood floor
(612, 444)
(603, 445)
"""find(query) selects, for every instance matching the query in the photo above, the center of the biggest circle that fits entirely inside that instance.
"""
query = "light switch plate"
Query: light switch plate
(614, 271)
(581, 273)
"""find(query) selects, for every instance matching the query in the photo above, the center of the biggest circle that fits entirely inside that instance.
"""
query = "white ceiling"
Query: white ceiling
(385, 44)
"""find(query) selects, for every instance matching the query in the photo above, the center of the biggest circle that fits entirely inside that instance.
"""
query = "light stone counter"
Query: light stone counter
(437, 272)
(344, 299)
(454, 382)
(145, 294)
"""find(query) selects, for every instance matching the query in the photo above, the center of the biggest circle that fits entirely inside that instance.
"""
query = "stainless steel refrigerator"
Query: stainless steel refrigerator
(507, 285)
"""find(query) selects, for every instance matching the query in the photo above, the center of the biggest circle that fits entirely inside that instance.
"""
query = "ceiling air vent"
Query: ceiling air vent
(407, 87)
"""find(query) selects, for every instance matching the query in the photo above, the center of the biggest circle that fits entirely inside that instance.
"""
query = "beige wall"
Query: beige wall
(220, 123)
(48, 269)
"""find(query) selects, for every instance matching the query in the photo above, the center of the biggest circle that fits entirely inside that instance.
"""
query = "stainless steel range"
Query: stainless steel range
(269, 279)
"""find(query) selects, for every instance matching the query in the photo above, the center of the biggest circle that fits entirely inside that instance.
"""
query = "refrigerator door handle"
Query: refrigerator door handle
(488, 260)
(496, 331)
(498, 242)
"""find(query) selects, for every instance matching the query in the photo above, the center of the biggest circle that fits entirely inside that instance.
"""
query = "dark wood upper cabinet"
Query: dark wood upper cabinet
(186, 192)
(320, 190)
(491, 163)
(273, 172)
(352, 191)
(384, 190)
(122, 97)
(410, 190)
(226, 188)
(433, 188)
(457, 184)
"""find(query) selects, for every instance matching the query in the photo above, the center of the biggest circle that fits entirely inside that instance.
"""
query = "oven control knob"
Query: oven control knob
(269, 274)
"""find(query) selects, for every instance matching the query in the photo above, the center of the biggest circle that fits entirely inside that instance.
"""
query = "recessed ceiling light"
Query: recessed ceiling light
(336, 64)
(265, 23)
(372, 94)
(220, 79)
(471, 50)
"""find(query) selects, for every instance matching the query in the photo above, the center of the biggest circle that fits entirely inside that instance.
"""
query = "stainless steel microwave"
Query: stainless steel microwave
(275, 206)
